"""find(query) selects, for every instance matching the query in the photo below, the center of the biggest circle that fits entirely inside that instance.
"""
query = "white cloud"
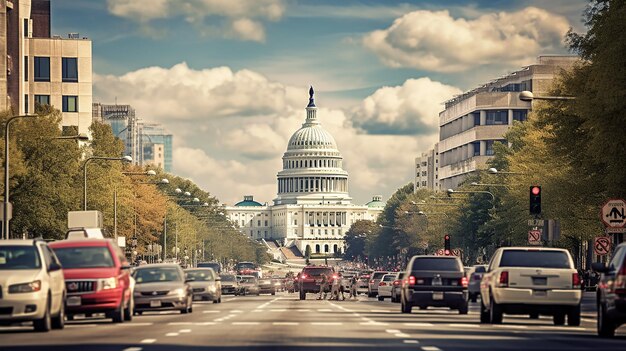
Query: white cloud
(231, 129)
(411, 108)
(435, 41)
(239, 14)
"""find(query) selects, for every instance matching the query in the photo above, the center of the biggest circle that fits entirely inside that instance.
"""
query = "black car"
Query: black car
(217, 267)
(437, 281)
(611, 295)
(311, 278)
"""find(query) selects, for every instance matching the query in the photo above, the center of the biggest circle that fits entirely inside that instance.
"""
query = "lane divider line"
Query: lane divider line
(148, 341)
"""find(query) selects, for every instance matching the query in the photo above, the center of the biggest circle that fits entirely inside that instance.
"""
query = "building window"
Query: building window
(489, 144)
(476, 148)
(266, 223)
(26, 68)
(258, 223)
(477, 119)
(25, 27)
(42, 100)
(26, 103)
(42, 69)
(243, 223)
(70, 69)
(497, 117)
(520, 115)
(70, 103)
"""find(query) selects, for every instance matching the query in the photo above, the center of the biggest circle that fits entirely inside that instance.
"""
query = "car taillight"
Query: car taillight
(372, 281)
(335, 276)
(382, 284)
(303, 276)
(411, 280)
(463, 282)
(619, 286)
(575, 281)
(396, 282)
(504, 279)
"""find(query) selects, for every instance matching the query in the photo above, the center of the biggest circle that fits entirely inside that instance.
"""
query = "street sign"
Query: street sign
(456, 252)
(536, 222)
(440, 252)
(615, 230)
(612, 213)
(602, 245)
(534, 237)
(9, 212)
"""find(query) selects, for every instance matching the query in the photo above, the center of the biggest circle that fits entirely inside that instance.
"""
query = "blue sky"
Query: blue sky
(349, 50)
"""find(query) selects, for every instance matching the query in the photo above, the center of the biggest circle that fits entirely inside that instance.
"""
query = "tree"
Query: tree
(356, 238)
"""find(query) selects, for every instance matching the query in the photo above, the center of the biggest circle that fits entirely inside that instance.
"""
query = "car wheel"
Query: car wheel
(534, 315)
(118, 315)
(45, 323)
(273, 293)
(573, 316)
(128, 312)
(58, 322)
(219, 300)
(423, 307)
(559, 318)
(380, 298)
(606, 328)
(484, 313)
(473, 297)
(215, 301)
(495, 312)
(464, 309)
(70, 317)
(405, 307)
(302, 295)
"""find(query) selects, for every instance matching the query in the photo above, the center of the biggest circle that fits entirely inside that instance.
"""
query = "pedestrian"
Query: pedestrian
(353, 287)
(323, 287)
(335, 284)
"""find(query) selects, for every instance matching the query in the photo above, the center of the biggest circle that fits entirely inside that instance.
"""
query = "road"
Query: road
(283, 322)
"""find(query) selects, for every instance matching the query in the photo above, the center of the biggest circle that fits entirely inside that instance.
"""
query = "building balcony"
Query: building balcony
(463, 167)
(483, 100)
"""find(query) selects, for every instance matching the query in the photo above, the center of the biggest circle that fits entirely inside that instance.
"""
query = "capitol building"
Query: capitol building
(313, 207)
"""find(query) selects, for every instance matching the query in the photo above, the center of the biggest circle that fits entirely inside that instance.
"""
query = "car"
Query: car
(290, 286)
(162, 287)
(474, 276)
(248, 268)
(97, 278)
(217, 267)
(372, 287)
(205, 284)
(363, 283)
(249, 285)
(230, 284)
(311, 278)
(437, 281)
(266, 286)
(611, 293)
(531, 280)
(396, 288)
(32, 286)
(385, 286)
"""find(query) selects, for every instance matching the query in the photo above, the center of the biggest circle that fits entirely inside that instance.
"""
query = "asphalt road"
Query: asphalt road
(283, 322)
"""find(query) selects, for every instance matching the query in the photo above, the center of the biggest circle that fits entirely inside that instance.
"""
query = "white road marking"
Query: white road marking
(245, 323)
(392, 331)
(410, 341)
(462, 325)
(180, 323)
(303, 310)
(286, 323)
(236, 311)
(81, 325)
(278, 310)
(257, 311)
(205, 323)
(171, 334)
(380, 311)
(138, 324)
(324, 310)
(326, 323)
(418, 324)
(402, 335)
(133, 349)
(510, 326)
(148, 341)
(211, 311)
(184, 331)
(430, 348)
(372, 323)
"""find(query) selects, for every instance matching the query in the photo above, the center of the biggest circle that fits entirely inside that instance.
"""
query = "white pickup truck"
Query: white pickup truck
(532, 281)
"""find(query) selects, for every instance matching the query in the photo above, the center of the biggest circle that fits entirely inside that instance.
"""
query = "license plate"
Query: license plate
(155, 303)
(438, 296)
(540, 293)
(317, 281)
(540, 281)
(74, 301)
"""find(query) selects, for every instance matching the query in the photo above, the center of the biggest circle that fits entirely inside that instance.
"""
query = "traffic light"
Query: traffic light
(535, 199)
(446, 244)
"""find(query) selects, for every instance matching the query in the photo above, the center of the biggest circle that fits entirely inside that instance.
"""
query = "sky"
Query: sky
(229, 78)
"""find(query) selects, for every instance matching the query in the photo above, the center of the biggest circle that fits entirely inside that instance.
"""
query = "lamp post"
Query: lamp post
(496, 171)
(5, 209)
(482, 184)
(493, 197)
(529, 97)
(127, 159)
(79, 137)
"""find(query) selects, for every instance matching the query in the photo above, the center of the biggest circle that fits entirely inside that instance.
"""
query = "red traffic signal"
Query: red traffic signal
(535, 190)
(535, 199)
(447, 252)
(446, 244)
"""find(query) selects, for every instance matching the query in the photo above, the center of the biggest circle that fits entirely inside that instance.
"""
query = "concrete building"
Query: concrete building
(472, 122)
(427, 170)
(313, 207)
(43, 69)
(123, 122)
(155, 146)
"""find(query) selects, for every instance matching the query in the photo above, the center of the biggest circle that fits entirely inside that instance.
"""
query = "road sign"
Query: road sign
(456, 252)
(440, 252)
(612, 213)
(615, 230)
(534, 237)
(10, 211)
(602, 245)
(536, 222)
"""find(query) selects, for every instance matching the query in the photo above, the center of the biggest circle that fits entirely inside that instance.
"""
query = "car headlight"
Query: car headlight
(107, 283)
(180, 292)
(211, 288)
(25, 287)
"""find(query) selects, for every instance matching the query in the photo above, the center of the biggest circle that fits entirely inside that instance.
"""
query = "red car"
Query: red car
(97, 278)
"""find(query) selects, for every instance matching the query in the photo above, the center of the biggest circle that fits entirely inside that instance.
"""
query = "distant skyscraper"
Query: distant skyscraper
(123, 122)
(155, 146)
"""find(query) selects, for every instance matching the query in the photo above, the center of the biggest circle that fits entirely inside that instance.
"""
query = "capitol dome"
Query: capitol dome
(312, 165)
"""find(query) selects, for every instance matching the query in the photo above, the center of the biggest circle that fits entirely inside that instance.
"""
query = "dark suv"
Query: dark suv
(437, 281)
(611, 293)
(311, 278)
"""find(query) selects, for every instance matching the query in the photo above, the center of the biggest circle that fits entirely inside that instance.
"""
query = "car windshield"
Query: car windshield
(84, 257)
(214, 265)
(480, 269)
(228, 278)
(389, 277)
(436, 264)
(378, 275)
(19, 257)
(535, 259)
(316, 272)
(156, 274)
(245, 265)
(200, 275)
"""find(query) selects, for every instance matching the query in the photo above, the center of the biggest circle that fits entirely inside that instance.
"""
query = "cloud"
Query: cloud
(409, 109)
(237, 14)
(231, 129)
(435, 41)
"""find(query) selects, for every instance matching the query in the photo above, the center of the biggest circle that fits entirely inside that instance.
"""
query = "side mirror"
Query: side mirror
(599, 267)
(54, 267)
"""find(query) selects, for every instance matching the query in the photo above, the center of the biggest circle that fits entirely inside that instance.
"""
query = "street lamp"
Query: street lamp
(529, 97)
(79, 137)
(148, 173)
(5, 209)
(481, 184)
(158, 182)
(496, 171)
(493, 197)
(126, 159)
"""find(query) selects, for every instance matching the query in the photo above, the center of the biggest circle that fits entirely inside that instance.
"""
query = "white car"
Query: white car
(385, 285)
(32, 287)
(532, 281)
